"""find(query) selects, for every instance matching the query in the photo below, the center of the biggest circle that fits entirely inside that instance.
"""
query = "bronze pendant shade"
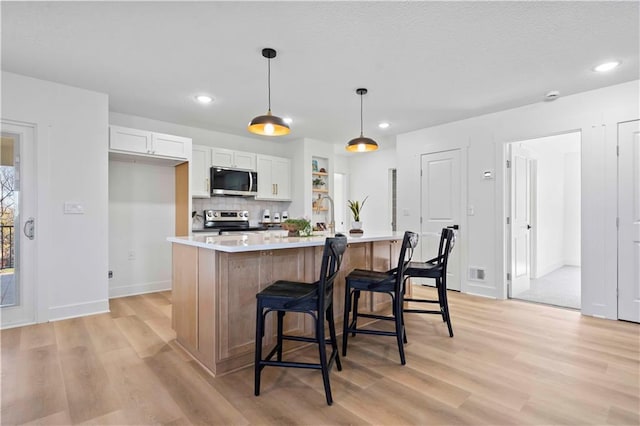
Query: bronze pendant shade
(269, 124)
(361, 143)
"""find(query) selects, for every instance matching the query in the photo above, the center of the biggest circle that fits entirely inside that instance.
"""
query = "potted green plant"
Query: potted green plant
(318, 183)
(297, 227)
(356, 208)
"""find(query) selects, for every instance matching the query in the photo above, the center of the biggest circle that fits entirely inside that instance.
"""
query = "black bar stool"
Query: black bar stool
(315, 299)
(434, 268)
(391, 283)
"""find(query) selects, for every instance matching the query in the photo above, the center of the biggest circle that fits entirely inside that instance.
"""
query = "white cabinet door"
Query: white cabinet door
(244, 160)
(266, 188)
(274, 178)
(222, 157)
(129, 140)
(200, 165)
(281, 175)
(136, 141)
(170, 146)
(234, 159)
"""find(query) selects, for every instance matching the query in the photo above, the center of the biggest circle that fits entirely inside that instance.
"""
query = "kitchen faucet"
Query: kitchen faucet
(332, 224)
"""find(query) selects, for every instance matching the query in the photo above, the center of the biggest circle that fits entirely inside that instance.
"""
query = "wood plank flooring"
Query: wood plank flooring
(510, 363)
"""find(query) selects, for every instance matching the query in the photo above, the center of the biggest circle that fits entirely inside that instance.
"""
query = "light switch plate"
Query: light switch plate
(73, 207)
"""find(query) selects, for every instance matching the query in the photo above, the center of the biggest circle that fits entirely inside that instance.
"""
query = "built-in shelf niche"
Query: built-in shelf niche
(319, 188)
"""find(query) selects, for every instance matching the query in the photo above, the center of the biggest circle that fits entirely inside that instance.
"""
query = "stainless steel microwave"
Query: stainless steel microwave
(233, 182)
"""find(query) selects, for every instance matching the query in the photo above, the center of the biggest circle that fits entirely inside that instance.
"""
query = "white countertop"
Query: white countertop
(265, 240)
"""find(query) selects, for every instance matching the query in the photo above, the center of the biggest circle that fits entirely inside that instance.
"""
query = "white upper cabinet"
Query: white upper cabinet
(170, 146)
(134, 141)
(200, 165)
(131, 140)
(274, 178)
(234, 159)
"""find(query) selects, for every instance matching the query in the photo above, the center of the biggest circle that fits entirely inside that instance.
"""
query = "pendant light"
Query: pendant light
(268, 124)
(361, 144)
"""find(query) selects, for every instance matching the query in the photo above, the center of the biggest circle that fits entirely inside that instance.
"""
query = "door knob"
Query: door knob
(29, 228)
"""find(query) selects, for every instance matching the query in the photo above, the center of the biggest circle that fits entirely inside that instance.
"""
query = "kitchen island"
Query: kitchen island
(216, 278)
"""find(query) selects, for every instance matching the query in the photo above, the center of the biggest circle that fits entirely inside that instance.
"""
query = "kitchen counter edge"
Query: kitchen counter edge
(255, 242)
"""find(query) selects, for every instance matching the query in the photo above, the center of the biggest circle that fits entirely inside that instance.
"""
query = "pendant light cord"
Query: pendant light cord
(269, 81)
(361, 115)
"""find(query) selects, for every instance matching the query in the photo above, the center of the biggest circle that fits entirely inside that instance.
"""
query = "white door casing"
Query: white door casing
(25, 249)
(440, 207)
(520, 219)
(629, 221)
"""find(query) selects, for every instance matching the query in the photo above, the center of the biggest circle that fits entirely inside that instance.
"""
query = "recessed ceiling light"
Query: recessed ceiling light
(204, 99)
(607, 66)
(288, 120)
(383, 125)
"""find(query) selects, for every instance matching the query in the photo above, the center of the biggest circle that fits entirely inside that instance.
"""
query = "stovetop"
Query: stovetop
(227, 221)
(220, 230)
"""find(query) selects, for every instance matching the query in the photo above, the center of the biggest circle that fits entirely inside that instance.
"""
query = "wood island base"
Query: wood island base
(214, 295)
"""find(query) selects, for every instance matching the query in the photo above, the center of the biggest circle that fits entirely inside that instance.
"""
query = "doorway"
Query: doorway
(340, 201)
(544, 220)
(17, 224)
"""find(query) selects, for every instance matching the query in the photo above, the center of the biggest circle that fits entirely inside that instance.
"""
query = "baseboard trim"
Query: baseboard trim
(58, 313)
(134, 289)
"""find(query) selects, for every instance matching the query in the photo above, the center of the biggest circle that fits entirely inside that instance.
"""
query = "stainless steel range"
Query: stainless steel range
(228, 221)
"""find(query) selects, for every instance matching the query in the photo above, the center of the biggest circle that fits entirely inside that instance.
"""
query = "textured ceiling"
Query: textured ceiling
(424, 63)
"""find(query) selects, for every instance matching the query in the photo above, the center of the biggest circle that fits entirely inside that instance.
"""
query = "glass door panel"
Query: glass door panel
(17, 225)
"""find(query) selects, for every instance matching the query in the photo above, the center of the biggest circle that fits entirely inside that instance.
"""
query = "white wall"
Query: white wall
(550, 211)
(369, 176)
(72, 165)
(572, 220)
(594, 113)
(141, 216)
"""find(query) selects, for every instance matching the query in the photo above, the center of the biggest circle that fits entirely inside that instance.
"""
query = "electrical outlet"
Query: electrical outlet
(476, 273)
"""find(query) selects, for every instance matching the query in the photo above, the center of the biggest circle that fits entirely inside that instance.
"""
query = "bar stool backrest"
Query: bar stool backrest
(334, 249)
(409, 243)
(447, 241)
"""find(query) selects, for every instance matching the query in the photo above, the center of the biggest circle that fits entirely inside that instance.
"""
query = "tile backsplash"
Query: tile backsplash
(254, 207)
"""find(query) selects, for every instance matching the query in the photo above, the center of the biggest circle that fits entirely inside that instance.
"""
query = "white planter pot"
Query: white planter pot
(356, 225)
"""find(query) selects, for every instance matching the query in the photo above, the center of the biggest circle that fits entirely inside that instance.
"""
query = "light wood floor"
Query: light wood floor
(509, 363)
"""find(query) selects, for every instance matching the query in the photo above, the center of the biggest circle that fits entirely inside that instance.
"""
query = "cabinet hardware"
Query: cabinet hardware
(206, 184)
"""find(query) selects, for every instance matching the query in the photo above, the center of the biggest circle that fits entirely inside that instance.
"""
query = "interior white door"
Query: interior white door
(629, 221)
(440, 207)
(18, 272)
(520, 219)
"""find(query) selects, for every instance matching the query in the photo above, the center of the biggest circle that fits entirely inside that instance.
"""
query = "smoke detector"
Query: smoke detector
(551, 95)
